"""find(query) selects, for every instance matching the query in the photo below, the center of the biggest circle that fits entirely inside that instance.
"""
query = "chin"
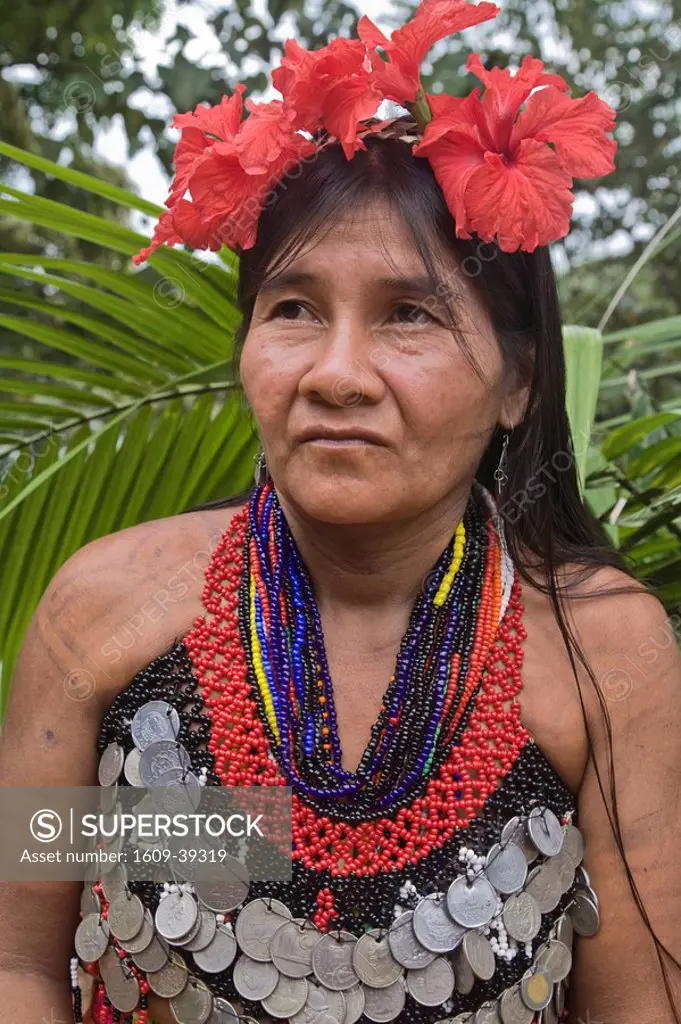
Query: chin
(337, 497)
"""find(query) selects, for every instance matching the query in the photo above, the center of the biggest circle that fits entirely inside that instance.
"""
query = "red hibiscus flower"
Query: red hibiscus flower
(399, 78)
(229, 167)
(333, 88)
(507, 174)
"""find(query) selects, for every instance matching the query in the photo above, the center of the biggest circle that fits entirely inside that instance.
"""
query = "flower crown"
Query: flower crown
(506, 173)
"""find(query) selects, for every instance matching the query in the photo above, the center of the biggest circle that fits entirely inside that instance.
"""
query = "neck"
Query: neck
(366, 566)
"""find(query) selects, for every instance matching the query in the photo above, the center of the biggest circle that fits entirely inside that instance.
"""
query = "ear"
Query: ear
(516, 397)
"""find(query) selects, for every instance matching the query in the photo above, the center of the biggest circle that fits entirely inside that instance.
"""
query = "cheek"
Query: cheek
(441, 395)
(268, 376)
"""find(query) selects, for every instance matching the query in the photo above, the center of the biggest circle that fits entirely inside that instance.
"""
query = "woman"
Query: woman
(450, 702)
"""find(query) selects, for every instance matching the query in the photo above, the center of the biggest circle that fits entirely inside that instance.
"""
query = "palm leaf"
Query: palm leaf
(127, 409)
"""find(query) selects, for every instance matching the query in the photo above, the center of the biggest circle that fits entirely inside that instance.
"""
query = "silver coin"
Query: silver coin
(463, 973)
(219, 953)
(431, 985)
(546, 832)
(559, 999)
(288, 997)
(131, 768)
(114, 883)
(92, 938)
(512, 1009)
(590, 894)
(256, 924)
(292, 947)
(332, 961)
(144, 936)
(487, 1014)
(479, 954)
(354, 1004)
(154, 957)
(223, 1012)
(373, 961)
(562, 864)
(171, 978)
(564, 930)
(536, 989)
(180, 795)
(522, 917)
(206, 931)
(384, 1004)
(554, 959)
(515, 831)
(404, 945)
(229, 892)
(108, 796)
(194, 1004)
(161, 758)
(471, 904)
(110, 764)
(126, 916)
(324, 1006)
(122, 988)
(506, 868)
(89, 901)
(434, 927)
(254, 979)
(543, 883)
(582, 876)
(191, 934)
(176, 915)
(584, 914)
(108, 962)
(573, 844)
(154, 721)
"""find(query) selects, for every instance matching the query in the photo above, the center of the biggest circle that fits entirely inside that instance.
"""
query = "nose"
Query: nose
(345, 368)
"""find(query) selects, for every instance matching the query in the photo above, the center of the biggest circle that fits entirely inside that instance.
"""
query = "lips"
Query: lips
(358, 436)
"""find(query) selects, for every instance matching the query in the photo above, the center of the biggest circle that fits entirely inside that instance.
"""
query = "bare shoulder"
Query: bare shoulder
(629, 638)
(120, 601)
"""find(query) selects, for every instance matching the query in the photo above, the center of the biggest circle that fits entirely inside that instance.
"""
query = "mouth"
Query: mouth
(340, 442)
(329, 438)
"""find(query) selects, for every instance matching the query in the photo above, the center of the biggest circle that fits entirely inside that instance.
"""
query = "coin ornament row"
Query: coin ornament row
(295, 971)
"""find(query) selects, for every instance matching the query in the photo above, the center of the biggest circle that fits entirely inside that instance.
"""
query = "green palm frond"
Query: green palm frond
(125, 409)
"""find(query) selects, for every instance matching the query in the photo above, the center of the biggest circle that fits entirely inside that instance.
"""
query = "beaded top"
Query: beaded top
(452, 891)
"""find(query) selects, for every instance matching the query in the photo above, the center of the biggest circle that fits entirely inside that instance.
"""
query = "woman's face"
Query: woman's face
(350, 339)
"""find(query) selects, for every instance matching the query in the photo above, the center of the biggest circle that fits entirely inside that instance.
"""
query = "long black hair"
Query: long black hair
(549, 527)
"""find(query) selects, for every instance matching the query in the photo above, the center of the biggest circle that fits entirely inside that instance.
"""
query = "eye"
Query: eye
(288, 309)
(410, 313)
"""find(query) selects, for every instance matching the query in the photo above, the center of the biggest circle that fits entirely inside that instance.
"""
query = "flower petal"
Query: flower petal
(164, 232)
(190, 149)
(451, 114)
(346, 104)
(455, 158)
(504, 93)
(263, 135)
(523, 203)
(576, 127)
(372, 35)
(221, 121)
(433, 20)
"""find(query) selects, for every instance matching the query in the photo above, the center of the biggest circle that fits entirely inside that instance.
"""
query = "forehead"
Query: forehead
(374, 238)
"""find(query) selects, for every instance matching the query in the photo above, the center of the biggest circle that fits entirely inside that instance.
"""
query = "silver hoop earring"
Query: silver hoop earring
(500, 474)
(261, 472)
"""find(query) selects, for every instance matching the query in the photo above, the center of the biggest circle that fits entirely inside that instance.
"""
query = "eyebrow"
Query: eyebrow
(416, 285)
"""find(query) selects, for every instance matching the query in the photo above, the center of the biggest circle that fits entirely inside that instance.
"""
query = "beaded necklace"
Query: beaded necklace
(424, 700)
